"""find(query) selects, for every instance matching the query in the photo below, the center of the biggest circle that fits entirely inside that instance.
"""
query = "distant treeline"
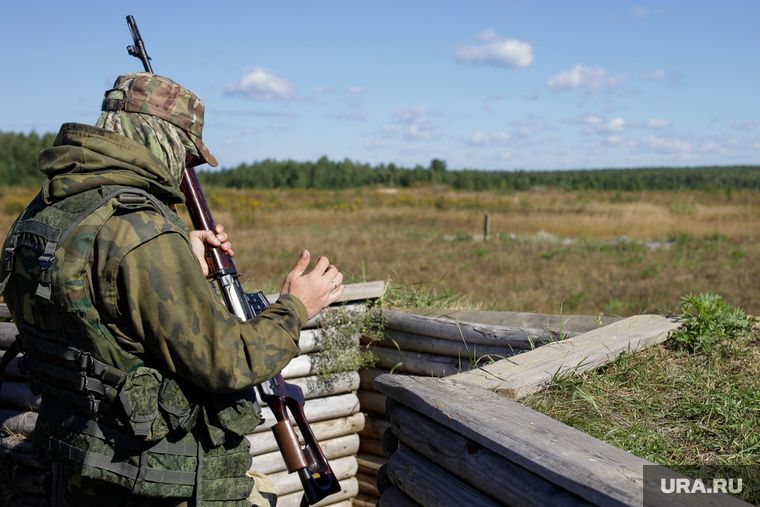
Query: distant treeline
(329, 174)
(19, 152)
(18, 157)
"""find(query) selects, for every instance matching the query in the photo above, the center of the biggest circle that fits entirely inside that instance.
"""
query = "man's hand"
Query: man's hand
(316, 289)
(199, 240)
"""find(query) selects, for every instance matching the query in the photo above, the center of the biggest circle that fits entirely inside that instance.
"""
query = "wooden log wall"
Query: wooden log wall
(460, 444)
(332, 408)
(438, 345)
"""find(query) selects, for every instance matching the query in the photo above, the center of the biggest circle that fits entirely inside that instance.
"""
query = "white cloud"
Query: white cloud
(668, 145)
(658, 123)
(497, 51)
(417, 124)
(260, 84)
(592, 119)
(580, 77)
(616, 124)
(481, 139)
(356, 90)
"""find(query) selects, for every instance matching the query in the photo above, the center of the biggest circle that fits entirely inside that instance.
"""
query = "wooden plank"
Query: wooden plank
(394, 497)
(349, 488)
(418, 363)
(318, 409)
(442, 347)
(370, 464)
(474, 464)
(560, 324)
(372, 447)
(362, 500)
(470, 332)
(371, 401)
(271, 462)
(285, 483)
(429, 484)
(532, 371)
(592, 469)
(367, 485)
(375, 426)
(264, 442)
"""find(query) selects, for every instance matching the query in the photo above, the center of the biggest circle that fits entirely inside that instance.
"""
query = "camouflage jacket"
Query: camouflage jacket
(154, 298)
(127, 290)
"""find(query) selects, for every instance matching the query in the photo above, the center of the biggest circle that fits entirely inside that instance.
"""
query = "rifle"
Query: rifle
(309, 461)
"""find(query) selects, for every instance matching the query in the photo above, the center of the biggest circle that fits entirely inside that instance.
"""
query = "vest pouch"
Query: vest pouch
(179, 414)
(239, 413)
(139, 399)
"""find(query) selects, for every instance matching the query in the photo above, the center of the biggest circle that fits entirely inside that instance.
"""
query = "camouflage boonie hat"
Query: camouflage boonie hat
(160, 96)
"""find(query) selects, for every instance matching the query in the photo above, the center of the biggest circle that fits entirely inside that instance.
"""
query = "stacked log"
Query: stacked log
(331, 406)
(429, 344)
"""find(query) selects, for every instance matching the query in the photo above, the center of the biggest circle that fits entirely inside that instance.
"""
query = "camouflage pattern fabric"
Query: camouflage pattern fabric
(159, 96)
(127, 288)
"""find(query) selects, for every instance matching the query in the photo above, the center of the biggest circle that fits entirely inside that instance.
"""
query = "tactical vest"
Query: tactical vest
(104, 414)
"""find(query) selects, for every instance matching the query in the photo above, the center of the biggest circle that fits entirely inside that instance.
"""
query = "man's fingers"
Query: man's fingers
(335, 295)
(301, 264)
(322, 264)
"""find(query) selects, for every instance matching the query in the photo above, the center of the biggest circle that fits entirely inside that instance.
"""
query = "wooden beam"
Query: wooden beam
(592, 469)
(429, 484)
(394, 497)
(418, 363)
(473, 463)
(532, 371)
(470, 332)
(442, 347)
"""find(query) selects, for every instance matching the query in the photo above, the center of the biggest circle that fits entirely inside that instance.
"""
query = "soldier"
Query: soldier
(144, 375)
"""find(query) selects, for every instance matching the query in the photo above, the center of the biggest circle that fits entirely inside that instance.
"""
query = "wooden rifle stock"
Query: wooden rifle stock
(309, 461)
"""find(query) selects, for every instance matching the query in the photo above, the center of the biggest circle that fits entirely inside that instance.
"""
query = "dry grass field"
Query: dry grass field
(549, 251)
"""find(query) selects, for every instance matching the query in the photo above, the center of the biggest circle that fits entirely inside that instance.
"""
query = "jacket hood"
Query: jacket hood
(84, 157)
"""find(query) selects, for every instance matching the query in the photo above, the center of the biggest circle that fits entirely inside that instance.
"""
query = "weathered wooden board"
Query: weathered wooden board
(560, 324)
(469, 332)
(438, 346)
(372, 447)
(594, 470)
(532, 371)
(371, 401)
(394, 497)
(264, 442)
(429, 484)
(369, 464)
(475, 464)
(418, 363)
(271, 462)
(367, 485)
(375, 426)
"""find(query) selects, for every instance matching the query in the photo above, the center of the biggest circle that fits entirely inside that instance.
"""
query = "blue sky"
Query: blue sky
(480, 84)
